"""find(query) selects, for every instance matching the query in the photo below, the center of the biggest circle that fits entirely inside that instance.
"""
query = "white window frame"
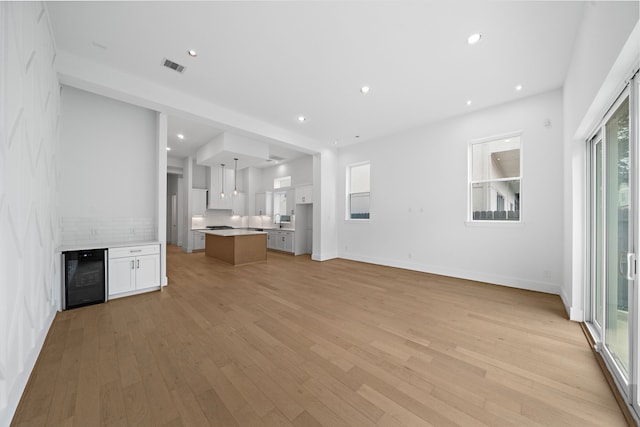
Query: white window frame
(493, 222)
(280, 180)
(348, 192)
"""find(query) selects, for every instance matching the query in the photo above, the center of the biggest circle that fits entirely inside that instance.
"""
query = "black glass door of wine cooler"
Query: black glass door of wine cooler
(84, 278)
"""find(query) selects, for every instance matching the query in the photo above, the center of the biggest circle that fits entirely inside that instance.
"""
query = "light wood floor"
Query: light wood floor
(296, 342)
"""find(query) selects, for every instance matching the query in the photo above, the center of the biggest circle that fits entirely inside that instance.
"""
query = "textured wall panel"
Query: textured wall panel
(29, 232)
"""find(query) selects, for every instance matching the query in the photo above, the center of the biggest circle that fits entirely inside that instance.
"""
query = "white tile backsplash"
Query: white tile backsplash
(79, 230)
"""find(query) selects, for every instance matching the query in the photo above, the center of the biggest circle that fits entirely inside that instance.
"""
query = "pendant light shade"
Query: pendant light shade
(235, 177)
(222, 182)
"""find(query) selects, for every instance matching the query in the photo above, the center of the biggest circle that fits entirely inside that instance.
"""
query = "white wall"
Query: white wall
(108, 157)
(29, 185)
(606, 50)
(300, 170)
(419, 202)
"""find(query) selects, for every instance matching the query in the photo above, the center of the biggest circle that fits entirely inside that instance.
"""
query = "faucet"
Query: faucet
(276, 219)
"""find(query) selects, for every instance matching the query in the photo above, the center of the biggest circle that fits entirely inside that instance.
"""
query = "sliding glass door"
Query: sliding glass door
(613, 308)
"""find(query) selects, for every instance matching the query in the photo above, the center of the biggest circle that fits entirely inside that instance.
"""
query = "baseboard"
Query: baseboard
(512, 282)
(323, 256)
(15, 394)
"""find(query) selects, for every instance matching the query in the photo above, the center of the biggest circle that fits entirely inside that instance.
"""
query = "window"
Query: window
(495, 180)
(358, 191)
(285, 181)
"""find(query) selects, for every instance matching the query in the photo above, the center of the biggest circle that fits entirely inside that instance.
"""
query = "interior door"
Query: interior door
(174, 219)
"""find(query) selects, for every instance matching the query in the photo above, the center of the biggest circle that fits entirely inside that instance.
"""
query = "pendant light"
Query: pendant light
(222, 182)
(235, 177)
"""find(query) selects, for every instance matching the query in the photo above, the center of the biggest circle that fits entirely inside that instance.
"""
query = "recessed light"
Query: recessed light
(192, 53)
(335, 142)
(168, 148)
(302, 119)
(468, 102)
(180, 136)
(474, 38)
(507, 140)
(519, 87)
(364, 89)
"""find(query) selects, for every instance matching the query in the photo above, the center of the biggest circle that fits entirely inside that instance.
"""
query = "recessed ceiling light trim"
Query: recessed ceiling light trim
(180, 136)
(519, 88)
(468, 102)
(192, 53)
(365, 89)
(302, 119)
(474, 38)
(168, 148)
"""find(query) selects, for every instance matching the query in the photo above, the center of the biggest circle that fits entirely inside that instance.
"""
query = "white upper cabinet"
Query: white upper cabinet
(198, 201)
(239, 202)
(264, 203)
(304, 194)
(216, 201)
(291, 201)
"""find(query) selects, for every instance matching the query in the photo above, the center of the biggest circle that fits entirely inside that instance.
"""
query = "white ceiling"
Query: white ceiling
(277, 60)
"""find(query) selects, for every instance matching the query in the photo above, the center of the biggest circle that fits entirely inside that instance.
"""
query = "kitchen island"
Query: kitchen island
(236, 246)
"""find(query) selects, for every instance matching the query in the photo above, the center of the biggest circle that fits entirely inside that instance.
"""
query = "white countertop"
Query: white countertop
(104, 245)
(230, 233)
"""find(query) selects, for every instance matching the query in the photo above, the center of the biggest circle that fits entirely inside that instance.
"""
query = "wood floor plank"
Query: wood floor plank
(292, 342)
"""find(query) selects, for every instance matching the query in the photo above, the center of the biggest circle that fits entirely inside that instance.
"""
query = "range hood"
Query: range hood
(226, 147)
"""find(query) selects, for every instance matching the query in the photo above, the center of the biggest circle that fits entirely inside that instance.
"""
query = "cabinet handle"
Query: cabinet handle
(135, 250)
(132, 265)
(137, 263)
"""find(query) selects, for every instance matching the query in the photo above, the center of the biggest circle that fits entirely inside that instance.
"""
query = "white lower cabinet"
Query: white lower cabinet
(198, 241)
(281, 240)
(133, 269)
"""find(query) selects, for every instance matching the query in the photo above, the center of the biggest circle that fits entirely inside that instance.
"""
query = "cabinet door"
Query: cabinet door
(198, 240)
(272, 238)
(291, 202)
(304, 194)
(147, 271)
(239, 204)
(287, 242)
(198, 201)
(121, 275)
(215, 187)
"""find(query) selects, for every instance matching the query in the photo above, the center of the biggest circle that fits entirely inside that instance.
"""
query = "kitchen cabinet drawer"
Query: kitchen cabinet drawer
(133, 251)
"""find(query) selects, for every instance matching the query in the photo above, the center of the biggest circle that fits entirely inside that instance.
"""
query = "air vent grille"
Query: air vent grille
(173, 65)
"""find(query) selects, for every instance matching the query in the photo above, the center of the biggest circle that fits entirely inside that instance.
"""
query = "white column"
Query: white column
(161, 126)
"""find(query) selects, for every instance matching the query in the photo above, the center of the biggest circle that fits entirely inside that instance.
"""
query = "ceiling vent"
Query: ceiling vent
(173, 65)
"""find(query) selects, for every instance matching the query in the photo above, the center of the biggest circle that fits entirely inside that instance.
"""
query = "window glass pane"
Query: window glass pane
(282, 182)
(496, 200)
(617, 236)
(359, 205)
(496, 159)
(359, 179)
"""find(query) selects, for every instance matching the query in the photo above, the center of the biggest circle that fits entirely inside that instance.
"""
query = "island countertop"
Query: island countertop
(231, 233)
